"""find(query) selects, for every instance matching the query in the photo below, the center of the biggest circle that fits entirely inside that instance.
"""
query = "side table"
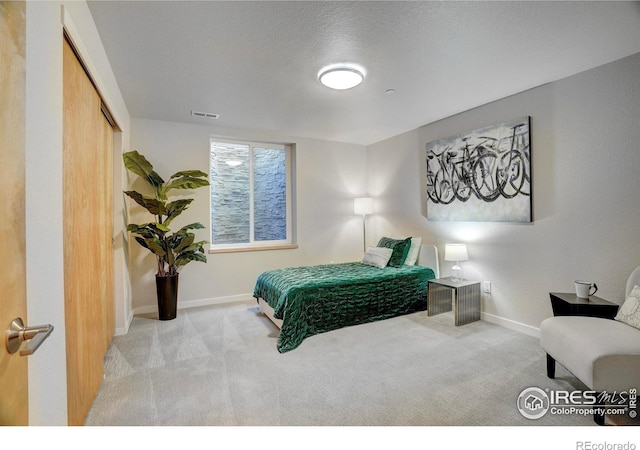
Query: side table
(569, 304)
(466, 297)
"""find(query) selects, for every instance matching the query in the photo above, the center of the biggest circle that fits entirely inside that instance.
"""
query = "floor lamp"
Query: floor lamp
(364, 206)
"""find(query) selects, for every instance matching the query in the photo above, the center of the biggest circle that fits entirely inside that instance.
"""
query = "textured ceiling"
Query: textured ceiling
(256, 63)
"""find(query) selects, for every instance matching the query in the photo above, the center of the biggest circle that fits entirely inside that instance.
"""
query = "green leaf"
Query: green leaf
(174, 209)
(195, 247)
(191, 226)
(154, 206)
(185, 242)
(159, 227)
(132, 227)
(171, 259)
(201, 244)
(186, 182)
(142, 242)
(149, 230)
(189, 173)
(139, 165)
(143, 231)
(155, 245)
(187, 257)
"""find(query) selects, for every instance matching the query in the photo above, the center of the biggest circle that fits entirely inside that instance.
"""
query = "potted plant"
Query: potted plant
(172, 250)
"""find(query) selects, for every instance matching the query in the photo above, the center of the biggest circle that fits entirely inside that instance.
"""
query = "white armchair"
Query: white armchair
(603, 354)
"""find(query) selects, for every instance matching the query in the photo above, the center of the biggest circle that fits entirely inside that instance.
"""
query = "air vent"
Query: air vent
(205, 114)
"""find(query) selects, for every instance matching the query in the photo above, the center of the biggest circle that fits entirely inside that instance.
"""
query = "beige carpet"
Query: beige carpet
(219, 365)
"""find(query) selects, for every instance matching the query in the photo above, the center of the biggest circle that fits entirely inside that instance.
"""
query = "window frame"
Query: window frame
(253, 245)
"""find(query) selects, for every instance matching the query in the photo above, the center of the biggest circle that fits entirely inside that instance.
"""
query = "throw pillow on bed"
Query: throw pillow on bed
(412, 256)
(400, 249)
(377, 257)
(629, 312)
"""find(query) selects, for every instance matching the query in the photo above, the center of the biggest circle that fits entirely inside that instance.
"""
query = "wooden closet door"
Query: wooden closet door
(88, 218)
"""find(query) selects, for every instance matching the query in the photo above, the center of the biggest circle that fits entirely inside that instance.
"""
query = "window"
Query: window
(250, 195)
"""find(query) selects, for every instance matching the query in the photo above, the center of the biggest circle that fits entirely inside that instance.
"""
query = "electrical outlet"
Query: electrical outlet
(486, 287)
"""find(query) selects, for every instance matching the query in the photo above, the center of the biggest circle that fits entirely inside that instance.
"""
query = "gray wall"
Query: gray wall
(585, 147)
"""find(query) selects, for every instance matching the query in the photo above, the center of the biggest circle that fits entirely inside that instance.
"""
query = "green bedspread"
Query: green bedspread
(316, 299)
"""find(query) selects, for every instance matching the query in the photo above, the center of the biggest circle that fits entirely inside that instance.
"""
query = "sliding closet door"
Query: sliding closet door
(88, 218)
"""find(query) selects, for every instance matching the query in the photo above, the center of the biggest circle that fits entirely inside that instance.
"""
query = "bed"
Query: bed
(304, 301)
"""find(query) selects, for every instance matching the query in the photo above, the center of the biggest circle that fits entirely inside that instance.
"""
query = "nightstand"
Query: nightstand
(465, 295)
(569, 304)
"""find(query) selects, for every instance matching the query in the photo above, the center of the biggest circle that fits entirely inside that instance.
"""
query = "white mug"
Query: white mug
(583, 288)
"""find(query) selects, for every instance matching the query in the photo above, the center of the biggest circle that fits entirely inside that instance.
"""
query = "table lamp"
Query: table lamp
(456, 253)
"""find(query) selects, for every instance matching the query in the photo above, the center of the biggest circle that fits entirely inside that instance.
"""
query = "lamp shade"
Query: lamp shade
(363, 205)
(456, 252)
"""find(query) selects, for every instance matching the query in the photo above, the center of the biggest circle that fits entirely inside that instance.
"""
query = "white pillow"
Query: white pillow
(629, 312)
(412, 256)
(377, 256)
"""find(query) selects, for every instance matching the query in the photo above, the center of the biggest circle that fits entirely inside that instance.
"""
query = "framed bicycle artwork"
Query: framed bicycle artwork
(481, 176)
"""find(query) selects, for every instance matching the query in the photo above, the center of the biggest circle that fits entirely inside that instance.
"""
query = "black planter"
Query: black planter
(167, 290)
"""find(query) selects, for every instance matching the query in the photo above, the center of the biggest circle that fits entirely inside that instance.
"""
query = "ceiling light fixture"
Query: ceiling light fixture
(341, 76)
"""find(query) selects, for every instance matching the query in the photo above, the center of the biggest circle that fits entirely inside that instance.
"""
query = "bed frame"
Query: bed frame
(428, 257)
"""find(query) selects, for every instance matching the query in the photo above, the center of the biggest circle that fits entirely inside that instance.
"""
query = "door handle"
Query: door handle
(18, 333)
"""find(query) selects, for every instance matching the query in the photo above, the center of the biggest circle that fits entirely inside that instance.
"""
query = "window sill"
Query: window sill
(253, 249)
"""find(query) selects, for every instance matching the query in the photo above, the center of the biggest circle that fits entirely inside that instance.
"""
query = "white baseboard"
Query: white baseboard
(506, 323)
(512, 325)
(121, 331)
(150, 309)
